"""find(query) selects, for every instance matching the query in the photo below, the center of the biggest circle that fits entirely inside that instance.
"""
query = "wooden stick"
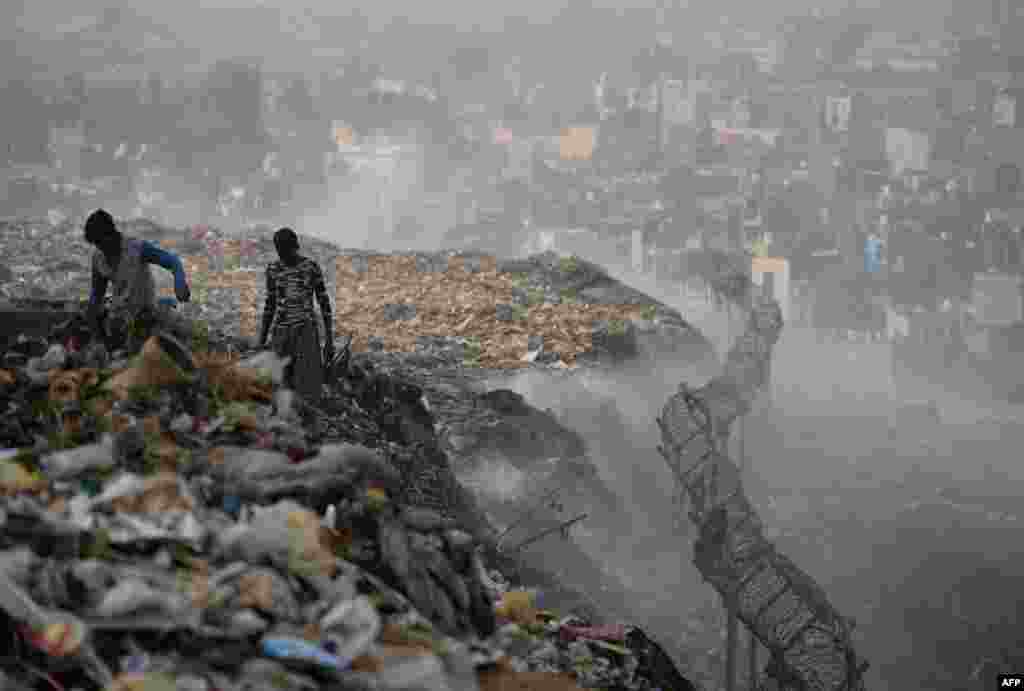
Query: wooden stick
(549, 495)
(543, 534)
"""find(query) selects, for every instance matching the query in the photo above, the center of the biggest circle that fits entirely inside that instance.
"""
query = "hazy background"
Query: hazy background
(208, 30)
(834, 469)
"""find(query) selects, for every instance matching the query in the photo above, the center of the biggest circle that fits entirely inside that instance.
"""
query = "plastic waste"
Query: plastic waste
(18, 564)
(69, 463)
(267, 363)
(58, 638)
(182, 424)
(418, 673)
(191, 683)
(15, 477)
(330, 519)
(53, 633)
(145, 682)
(163, 362)
(133, 596)
(248, 623)
(54, 358)
(157, 555)
(307, 553)
(163, 492)
(284, 404)
(19, 606)
(517, 606)
(262, 535)
(35, 372)
(136, 663)
(298, 651)
(609, 633)
(352, 627)
(232, 505)
(125, 484)
(460, 667)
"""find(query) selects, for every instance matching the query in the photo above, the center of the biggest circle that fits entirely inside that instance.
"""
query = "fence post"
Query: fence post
(731, 643)
(732, 618)
(732, 623)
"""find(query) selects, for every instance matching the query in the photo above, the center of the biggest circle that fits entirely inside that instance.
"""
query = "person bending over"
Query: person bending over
(124, 261)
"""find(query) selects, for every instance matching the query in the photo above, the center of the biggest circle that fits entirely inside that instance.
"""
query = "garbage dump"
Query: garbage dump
(168, 521)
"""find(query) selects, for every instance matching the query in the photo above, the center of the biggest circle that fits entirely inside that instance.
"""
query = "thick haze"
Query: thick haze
(304, 36)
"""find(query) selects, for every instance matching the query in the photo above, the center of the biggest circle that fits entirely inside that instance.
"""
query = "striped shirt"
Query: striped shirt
(290, 292)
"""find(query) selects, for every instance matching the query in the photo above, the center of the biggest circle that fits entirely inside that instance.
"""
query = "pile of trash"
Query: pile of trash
(547, 310)
(169, 520)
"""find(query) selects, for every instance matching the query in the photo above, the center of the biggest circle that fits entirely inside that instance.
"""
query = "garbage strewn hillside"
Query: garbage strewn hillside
(168, 520)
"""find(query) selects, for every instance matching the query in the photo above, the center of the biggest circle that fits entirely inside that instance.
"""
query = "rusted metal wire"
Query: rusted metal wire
(808, 641)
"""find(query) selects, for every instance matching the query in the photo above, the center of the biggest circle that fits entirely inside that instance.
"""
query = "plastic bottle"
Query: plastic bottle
(294, 650)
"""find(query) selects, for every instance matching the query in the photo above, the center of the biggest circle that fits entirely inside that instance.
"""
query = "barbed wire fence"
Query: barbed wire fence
(808, 641)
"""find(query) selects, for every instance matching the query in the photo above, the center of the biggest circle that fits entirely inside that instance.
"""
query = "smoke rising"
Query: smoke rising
(379, 198)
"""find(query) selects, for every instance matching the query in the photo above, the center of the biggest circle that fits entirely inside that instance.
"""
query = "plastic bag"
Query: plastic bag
(352, 627)
(132, 596)
(267, 364)
(62, 465)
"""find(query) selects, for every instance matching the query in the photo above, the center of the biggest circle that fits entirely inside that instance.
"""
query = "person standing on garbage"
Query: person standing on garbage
(292, 283)
(125, 261)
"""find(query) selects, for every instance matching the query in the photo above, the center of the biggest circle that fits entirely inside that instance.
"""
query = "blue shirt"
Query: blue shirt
(151, 254)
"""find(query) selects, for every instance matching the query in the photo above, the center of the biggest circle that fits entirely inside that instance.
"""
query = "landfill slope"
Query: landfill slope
(435, 319)
(171, 505)
(481, 424)
(474, 421)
